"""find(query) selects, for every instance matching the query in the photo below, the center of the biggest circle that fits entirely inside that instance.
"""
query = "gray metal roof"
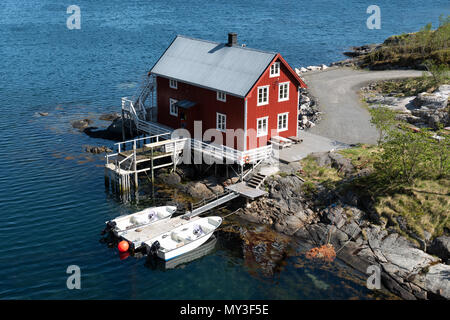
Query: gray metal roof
(213, 65)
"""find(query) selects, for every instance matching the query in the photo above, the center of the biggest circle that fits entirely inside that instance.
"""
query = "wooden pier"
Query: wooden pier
(138, 156)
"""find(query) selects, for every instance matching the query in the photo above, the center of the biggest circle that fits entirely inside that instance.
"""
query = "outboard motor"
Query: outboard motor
(153, 249)
(109, 226)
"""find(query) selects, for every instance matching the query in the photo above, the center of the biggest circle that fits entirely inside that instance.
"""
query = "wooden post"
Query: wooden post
(153, 174)
(123, 126)
(135, 166)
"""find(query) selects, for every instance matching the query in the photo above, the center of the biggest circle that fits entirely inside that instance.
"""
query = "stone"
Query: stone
(81, 124)
(435, 100)
(171, 179)
(97, 149)
(109, 116)
(198, 190)
(43, 114)
(441, 247)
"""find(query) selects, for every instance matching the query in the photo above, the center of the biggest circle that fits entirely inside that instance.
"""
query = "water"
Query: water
(53, 203)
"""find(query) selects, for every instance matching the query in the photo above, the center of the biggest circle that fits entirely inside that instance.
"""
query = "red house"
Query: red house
(247, 95)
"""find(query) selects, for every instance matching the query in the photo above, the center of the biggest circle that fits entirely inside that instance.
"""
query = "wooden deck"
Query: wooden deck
(139, 235)
(242, 189)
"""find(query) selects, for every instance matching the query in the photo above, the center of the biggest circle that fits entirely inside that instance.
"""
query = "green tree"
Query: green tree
(383, 119)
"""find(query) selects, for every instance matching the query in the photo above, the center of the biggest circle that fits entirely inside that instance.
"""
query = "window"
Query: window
(261, 129)
(221, 96)
(173, 84)
(221, 122)
(173, 109)
(263, 95)
(283, 121)
(275, 69)
(283, 91)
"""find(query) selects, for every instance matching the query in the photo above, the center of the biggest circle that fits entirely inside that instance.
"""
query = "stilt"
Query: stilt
(135, 167)
(123, 125)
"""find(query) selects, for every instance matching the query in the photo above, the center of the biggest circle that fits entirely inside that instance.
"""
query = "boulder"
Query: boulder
(43, 114)
(97, 149)
(441, 248)
(435, 100)
(171, 179)
(109, 116)
(198, 190)
(81, 124)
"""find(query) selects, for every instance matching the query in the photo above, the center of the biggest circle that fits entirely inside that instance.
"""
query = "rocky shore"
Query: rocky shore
(357, 234)
(425, 110)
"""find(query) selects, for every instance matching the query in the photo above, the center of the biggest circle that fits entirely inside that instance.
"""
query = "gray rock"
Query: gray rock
(81, 124)
(109, 116)
(440, 247)
(97, 149)
(171, 179)
(198, 190)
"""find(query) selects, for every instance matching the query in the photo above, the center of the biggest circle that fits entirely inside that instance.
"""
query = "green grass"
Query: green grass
(424, 205)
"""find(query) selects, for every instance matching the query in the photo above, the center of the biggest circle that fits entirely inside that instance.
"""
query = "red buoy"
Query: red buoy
(123, 246)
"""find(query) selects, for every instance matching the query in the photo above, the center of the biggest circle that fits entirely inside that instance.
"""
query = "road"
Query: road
(345, 119)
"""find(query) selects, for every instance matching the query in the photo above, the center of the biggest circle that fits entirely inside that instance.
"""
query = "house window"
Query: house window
(263, 95)
(173, 84)
(275, 69)
(283, 91)
(221, 122)
(173, 109)
(261, 129)
(221, 96)
(283, 121)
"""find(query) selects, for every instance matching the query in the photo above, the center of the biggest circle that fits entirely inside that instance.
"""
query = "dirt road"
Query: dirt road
(345, 119)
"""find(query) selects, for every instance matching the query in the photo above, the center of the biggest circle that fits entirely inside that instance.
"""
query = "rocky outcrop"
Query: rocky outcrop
(441, 248)
(334, 160)
(81, 124)
(308, 113)
(97, 149)
(424, 110)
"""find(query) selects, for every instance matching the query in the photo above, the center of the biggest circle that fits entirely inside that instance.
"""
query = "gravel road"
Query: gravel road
(345, 119)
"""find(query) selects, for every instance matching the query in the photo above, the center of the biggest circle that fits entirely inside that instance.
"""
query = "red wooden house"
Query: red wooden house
(227, 87)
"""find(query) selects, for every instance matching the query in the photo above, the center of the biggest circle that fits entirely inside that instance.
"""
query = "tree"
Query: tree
(383, 119)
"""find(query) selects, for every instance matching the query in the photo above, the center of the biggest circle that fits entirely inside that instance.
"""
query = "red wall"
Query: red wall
(274, 107)
(205, 110)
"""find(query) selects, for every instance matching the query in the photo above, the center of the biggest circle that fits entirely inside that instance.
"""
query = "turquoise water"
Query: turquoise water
(53, 202)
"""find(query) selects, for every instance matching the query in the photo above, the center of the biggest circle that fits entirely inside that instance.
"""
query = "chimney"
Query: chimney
(232, 39)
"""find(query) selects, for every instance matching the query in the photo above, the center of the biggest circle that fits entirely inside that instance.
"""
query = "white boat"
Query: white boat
(183, 239)
(139, 219)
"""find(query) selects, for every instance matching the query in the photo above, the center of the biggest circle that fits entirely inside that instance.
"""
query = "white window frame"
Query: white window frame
(267, 98)
(275, 66)
(173, 84)
(172, 102)
(221, 96)
(287, 91)
(262, 133)
(285, 114)
(221, 125)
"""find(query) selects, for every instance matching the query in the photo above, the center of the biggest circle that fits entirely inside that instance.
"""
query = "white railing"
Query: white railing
(218, 152)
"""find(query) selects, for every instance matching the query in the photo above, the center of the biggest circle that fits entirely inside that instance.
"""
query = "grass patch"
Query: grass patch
(424, 206)
(362, 156)
(314, 173)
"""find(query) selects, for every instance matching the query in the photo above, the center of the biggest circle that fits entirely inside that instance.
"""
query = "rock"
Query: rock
(109, 116)
(334, 215)
(323, 67)
(437, 280)
(171, 179)
(44, 114)
(435, 100)
(303, 69)
(441, 248)
(334, 160)
(97, 149)
(198, 190)
(81, 124)
(313, 68)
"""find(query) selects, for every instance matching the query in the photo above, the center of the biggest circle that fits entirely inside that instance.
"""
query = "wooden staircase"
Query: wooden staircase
(256, 180)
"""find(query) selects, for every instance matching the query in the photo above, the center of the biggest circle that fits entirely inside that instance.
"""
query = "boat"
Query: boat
(182, 239)
(208, 247)
(138, 219)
